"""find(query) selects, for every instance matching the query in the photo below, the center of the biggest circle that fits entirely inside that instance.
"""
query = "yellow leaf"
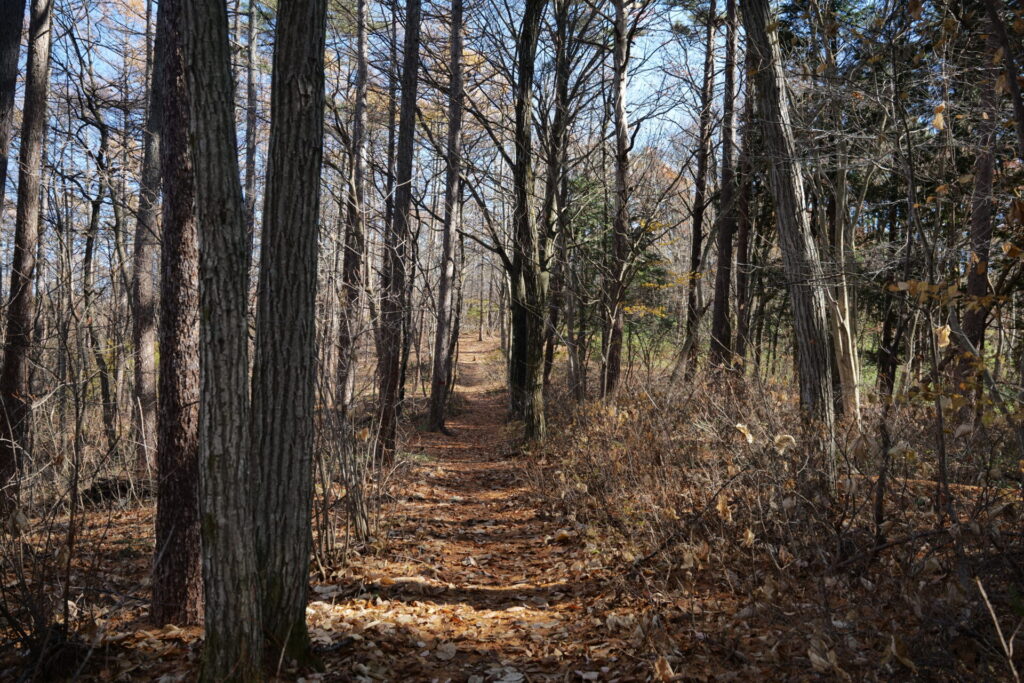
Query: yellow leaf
(784, 441)
(722, 508)
(942, 336)
(748, 539)
(742, 429)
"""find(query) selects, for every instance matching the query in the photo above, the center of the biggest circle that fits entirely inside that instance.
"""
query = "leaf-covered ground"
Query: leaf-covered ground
(473, 577)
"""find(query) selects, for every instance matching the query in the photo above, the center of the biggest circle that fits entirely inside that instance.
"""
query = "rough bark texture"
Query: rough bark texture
(12, 18)
(443, 338)
(177, 567)
(283, 381)
(528, 274)
(799, 252)
(721, 323)
(144, 285)
(396, 236)
(700, 182)
(233, 642)
(15, 401)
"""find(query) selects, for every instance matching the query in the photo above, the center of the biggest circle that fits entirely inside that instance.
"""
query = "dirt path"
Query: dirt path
(475, 583)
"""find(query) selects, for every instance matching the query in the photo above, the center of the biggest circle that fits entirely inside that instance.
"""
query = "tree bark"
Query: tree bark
(700, 190)
(620, 224)
(528, 275)
(355, 241)
(144, 284)
(12, 19)
(15, 401)
(801, 262)
(721, 324)
(396, 236)
(976, 314)
(177, 566)
(233, 642)
(283, 381)
(444, 342)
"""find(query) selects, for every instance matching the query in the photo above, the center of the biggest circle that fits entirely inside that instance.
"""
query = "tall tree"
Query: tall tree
(799, 252)
(177, 566)
(396, 236)
(721, 326)
(528, 273)
(355, 226)
(616, 289)
(443, 342)
(700, 188)
(15, 390)
(144, 285)
(12, 18)
(283, 381)
(233, 642)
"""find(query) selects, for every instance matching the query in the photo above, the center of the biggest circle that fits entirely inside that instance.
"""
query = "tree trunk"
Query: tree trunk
(700, 190)
(976, 314)
(744, 182)
(144, 285)
(396, 236)
(721, 325)
(233, 642)
(443, 338)
(529, 275)
(283, 389)
(355, 241)
(620, 223)
(799, 252)
(177, 566)
(12, 19)
(15, 399)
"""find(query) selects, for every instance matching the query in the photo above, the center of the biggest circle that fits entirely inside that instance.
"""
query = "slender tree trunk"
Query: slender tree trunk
(976, 314)
(144, 280)
(12, 19)
(233, 626)
(355, 241)
(251, 109)
(801, 262)
(396, 237)
(744, 182)
(721, 325)
(177, 566)
(443, 338)
(700, 190)
(620, 223)
(15, 399)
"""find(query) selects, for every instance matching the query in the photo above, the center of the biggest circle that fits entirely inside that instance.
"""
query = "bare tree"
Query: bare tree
(233, 626)
(15, 391)
(444, 344)
(396, 236)
(799, 251)
(283, 381)
(177, 566)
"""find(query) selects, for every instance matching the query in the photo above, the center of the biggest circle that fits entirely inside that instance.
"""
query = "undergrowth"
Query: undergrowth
(710, 498)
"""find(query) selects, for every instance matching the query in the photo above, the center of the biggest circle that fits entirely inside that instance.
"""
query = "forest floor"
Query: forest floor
(468, 579)
(475, 581)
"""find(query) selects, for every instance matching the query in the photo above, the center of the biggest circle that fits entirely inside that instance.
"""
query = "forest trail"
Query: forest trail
(474, 582)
